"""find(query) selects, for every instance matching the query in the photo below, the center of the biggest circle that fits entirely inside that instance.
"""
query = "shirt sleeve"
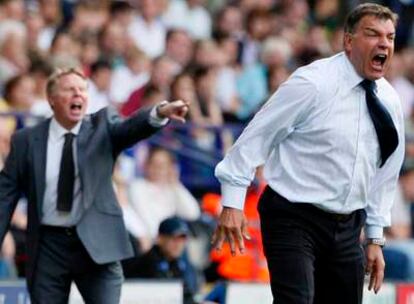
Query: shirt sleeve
(384, 185)
(287, 109)
(155, 120)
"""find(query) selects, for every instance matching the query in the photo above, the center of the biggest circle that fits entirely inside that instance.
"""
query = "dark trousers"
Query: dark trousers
(62, 259)
(314, 257)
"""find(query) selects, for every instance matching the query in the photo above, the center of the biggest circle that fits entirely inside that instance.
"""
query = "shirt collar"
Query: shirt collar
(56, 130)
(351, 77)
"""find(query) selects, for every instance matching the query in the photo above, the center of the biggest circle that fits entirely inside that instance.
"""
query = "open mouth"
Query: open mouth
(76, 107)
(379, 60)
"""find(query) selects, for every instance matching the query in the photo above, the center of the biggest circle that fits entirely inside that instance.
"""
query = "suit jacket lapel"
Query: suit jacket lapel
(82, 142)
(41, 134)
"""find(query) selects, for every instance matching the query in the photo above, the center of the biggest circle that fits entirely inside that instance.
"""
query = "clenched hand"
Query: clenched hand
(174, 110)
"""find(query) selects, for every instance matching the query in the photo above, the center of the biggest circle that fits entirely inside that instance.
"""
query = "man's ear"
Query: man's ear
(51, 103)
(348, 42)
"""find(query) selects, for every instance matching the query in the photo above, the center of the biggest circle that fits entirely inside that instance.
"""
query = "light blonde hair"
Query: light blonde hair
(57, 74)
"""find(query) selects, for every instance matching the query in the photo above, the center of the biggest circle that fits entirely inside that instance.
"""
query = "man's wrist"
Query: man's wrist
(158, 108)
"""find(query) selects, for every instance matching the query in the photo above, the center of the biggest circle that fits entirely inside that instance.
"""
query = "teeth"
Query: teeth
(380, 57)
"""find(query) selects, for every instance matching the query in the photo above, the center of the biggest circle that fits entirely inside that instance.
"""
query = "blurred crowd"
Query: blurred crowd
(224, 56)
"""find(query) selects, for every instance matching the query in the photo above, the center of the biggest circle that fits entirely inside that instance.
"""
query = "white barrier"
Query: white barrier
(145, 291)
(386, 295)
(240, 293)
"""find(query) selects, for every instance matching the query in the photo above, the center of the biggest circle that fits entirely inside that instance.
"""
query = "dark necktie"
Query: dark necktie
(384, 126)
(66, 176)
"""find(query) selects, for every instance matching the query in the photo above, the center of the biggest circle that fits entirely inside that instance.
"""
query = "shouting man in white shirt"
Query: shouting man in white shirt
(331, 139)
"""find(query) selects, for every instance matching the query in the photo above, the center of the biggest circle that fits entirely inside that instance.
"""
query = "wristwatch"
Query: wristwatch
(376, 241)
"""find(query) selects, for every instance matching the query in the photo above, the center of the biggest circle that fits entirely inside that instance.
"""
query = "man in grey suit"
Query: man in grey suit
(64, 166)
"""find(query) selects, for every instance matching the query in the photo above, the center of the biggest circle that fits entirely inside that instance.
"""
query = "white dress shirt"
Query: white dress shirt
(55, 142)
(318, 145)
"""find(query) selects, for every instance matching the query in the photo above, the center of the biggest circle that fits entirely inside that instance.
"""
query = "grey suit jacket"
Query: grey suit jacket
(101, 138)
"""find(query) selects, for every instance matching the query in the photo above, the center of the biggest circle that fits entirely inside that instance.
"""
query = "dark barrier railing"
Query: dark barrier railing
(196, 158)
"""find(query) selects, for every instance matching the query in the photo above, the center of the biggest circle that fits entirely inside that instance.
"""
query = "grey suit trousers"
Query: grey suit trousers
(62, 260)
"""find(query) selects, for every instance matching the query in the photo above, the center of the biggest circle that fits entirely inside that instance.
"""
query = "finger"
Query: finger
(379, 278)
(371, 281)
(245, 231)
(177, 118)
(218, 238)
(232, 242)
(368, 268)
(240, 242)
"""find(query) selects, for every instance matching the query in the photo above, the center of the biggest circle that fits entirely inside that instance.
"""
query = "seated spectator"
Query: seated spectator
(131, 76)
(98, 85)
(13, 52)
(146, 30)
(166, 259)
(19, 95)
(156, 196)
(40, 70)
(179, 48)
(162, 74)
(113, 42)
(190, 15)
(121, 12)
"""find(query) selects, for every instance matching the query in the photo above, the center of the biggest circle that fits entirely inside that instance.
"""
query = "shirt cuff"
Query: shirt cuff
(374, 232)
(233, 196)
(155, 120)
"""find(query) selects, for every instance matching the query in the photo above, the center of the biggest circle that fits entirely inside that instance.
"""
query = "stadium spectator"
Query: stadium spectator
(40, 71)
(99, 85)
(13, 55)
(190, 15)
(121, 12)
(113, 43)
(52, 17)
(146, 30)
(229, 21)
(167, 259)
(162, 74)
(19, 95)
(179, 48)
(156, 196)
(131, 76)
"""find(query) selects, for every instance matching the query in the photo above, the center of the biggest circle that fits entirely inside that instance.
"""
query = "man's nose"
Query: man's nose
(385, 42)
(77, 91)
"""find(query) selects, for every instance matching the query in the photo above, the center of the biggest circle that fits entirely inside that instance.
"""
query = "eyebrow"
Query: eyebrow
(377, 32)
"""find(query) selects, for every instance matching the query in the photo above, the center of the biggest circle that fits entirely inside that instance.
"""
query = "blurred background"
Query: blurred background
(226, 58)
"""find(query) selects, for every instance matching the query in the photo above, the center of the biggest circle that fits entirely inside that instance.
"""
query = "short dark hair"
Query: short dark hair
(368, 9)
(100, 64)
(117, 7)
